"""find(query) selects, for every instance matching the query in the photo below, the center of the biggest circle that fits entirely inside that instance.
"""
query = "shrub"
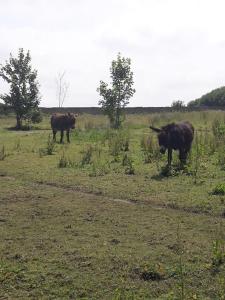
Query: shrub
(36, 116)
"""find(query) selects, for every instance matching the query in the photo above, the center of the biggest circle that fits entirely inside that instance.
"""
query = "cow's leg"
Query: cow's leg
(169, 156)
(61, 139)
(183, 156)
(54, 135)
(68, 135)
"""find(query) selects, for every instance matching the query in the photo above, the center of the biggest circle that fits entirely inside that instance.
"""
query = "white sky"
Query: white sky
(177, 47)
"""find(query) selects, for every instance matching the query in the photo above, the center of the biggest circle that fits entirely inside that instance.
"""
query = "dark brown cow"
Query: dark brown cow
(61, 122)
(175, 136)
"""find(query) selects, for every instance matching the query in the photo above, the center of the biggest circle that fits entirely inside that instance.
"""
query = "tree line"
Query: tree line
(24, 96)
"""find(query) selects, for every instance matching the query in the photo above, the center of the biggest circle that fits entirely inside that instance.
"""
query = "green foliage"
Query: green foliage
(87, 155)
(149, 149)
(218, 250)
(218, 253)
(197, 158)
(215, 98)
(218, 128)
(50, 146)
(178, 105)
(219, 189)
(49, 149)
(99, 168)
(116, 98)
(64, 162)
(118, 140)
(35, 116)
(123, 294)
(128, 162)
(23, 96)
(4, 109)
(126, 218)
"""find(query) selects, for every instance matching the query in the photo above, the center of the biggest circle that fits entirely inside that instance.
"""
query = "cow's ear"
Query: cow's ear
(76, 115)
(155, 129)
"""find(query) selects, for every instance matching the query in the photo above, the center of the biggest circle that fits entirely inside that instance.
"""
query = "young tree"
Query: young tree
(23, 96)
(116, 98)
(62, 88)
(178, 105)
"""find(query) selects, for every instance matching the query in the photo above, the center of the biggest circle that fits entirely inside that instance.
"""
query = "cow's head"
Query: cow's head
(163, 138)
(72, 120)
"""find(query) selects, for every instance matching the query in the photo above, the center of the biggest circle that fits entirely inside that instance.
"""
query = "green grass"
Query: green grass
(93, 230)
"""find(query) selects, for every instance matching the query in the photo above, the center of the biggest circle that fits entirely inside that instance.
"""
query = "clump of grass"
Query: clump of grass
(114, 148)
(196, 158)
(64, 162)
(167, 171)
(49, 149)
(218, 128)
(99, 168)
(17, 145)
(218, 253)
(219, 189)
(3, 153)
(152, 273)
(148, 149)
(87, 155)
(127, 161)
(41, 152)
(221, 155)
(218, 249)
(118, 142)
(89, 125)
(123, 294)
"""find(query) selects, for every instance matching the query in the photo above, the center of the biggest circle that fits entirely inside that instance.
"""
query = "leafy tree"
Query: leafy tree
(178, 105)
(23, 96)
(216, 98)
(116, 98)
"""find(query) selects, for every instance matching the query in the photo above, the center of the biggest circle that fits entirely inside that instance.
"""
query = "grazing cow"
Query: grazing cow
(175, 136)
(61, 122)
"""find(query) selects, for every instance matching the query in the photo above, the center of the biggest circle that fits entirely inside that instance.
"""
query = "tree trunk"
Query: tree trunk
(117, 119)
(18, 122)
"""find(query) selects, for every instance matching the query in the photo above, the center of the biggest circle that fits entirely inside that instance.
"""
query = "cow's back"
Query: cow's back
(181, 135)
(59, 122)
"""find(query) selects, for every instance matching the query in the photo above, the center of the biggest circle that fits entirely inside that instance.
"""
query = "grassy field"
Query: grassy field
(102, 218)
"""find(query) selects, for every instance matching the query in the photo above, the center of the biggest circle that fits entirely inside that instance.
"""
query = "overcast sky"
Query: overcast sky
(177, 47)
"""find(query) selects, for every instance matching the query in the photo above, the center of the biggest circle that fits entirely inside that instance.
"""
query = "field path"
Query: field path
(68, 243)
(147, 202)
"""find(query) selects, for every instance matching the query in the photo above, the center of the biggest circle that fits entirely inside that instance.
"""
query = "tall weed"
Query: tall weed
(3, 153)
